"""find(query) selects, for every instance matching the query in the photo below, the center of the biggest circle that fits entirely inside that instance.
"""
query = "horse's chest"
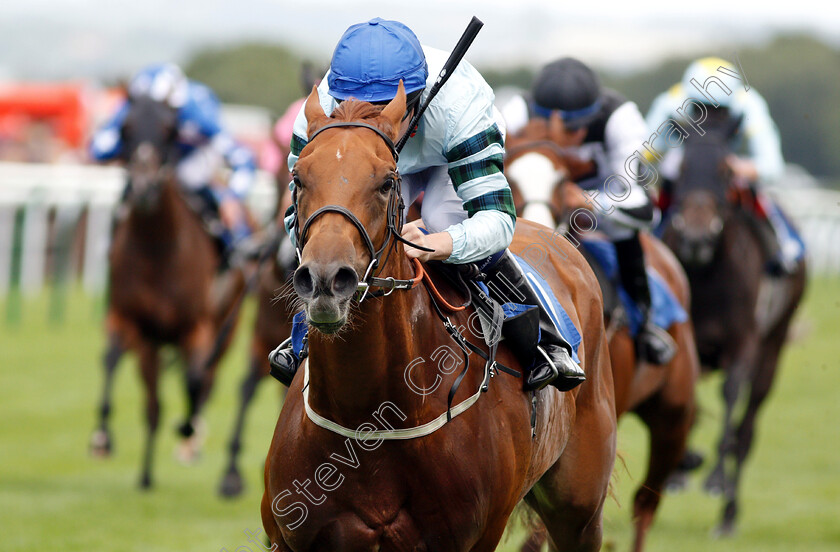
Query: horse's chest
(160, 306)
(351, 499)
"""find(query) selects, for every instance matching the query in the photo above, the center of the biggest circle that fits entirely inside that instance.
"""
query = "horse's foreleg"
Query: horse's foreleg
(737, 373)
(761, 382)
(196, 350)
(232, 481)
(535, 540)
(101, 443)
(669, 420)
(149, 371)
(275, 539)
(570, 497)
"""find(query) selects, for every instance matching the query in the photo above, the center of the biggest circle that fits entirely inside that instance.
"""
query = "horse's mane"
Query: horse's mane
(356, 110)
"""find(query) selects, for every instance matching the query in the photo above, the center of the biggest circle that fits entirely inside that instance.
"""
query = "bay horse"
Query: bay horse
(381, 365)
(273, 325)
(741, 317)
(163, 287)
(540, 174)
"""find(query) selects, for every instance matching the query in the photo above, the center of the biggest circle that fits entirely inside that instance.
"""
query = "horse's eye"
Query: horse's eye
(298, 183)
(387, 186)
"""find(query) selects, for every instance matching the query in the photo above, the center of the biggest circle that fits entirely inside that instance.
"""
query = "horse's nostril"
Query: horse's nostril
(345, 282)
(303, 283)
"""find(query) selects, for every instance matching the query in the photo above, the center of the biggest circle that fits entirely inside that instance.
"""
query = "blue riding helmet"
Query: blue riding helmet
(371, 58)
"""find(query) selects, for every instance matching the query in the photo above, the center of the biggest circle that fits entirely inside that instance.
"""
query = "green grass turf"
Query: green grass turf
(53, 496)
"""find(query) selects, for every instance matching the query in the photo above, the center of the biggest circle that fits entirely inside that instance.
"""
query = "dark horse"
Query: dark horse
(272, 326)
(163, 286)
(381, 365)
(720, 243)
(540, 172)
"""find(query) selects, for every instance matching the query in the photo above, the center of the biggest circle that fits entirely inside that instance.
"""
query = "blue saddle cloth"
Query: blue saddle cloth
(790, 240)
(550, 303)
(665, 309)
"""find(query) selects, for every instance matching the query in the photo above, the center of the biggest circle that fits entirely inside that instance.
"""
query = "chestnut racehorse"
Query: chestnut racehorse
(163, 287)
(539, 172)
(451, 486)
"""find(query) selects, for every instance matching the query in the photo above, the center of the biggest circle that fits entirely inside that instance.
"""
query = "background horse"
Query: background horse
(721, 244)
(539, 172)
(163, 265)
(373, 363)
(272, 326)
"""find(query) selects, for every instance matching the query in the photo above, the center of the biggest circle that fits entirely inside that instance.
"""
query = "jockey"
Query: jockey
(602, 126)
(455, 158)
(758, 159)
(203, 145)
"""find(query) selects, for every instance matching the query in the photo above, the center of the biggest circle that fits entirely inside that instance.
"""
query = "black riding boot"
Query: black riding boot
(204, 204)
(283, 362)
(553, 362)
(653, 344)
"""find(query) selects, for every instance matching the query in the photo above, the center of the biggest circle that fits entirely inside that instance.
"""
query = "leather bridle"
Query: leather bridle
(395, 218)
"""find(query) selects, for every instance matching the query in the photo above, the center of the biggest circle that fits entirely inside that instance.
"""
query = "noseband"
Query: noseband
(395, 217)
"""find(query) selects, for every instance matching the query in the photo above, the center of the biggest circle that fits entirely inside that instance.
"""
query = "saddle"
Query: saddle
(519, 325)
(665, 309)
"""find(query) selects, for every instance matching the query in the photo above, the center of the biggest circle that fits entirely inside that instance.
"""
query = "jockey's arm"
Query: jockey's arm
(475, 154)
(241, 162)
(106, 142)
(765, 162)
(624, 135)
(202, 114)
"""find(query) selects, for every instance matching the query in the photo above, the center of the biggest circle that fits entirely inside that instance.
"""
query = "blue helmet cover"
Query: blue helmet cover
(372, 57)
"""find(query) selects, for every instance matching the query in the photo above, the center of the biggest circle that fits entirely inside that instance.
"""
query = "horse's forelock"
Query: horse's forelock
(703, 160)
(356, 110)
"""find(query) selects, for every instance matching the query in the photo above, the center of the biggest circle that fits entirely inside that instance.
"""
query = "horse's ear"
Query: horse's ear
(395, 110)
(312, 109)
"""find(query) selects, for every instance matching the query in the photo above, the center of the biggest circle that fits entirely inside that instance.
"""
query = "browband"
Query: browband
(388, 141)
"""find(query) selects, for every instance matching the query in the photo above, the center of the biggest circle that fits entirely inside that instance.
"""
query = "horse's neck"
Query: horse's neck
(352, 375)
(743, 240)
(157, 230)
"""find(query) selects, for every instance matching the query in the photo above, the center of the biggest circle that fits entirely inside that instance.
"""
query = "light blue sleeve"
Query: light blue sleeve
(664, 107)
(762, 137)
(474, 150)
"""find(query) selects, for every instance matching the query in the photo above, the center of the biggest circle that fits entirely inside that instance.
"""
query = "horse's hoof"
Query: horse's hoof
(232, 484)
(100, 444)
(724, 531)
(145, 482)
(691, 461)
(714, 484)
(189, 450)
(677, 482)
(185, 430)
